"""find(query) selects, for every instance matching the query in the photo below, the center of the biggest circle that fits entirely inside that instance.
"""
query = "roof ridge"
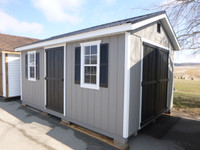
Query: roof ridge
(139, 17)
(19, 36)
(102, 26)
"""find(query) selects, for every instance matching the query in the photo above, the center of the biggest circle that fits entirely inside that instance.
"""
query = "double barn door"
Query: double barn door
(155, 81)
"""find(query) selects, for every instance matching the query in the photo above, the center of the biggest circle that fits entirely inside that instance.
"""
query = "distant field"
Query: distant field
(187, 72)
(187, 96)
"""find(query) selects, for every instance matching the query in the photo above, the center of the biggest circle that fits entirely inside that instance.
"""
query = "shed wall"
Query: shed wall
(103, 108)
(100, 110)
(33, 91)
(149, 33)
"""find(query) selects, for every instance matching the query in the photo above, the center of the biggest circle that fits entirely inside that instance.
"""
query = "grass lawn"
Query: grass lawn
(187, 96)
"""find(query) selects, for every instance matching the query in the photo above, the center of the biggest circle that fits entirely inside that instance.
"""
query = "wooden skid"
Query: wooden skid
(45, 114)
(97, 136)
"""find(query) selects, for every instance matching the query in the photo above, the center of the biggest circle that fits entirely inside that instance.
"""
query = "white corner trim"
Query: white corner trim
(126, 85)
(86, 85)
(141, 79)
(81, 36)
(45, 96)
(154, 44)
(65, 83)
(172, 96)
(21, 76)
(4, 74)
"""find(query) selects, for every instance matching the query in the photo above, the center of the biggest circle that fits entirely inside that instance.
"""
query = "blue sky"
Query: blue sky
(45, 18)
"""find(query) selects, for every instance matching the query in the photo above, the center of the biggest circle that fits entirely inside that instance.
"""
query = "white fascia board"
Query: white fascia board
(82, 36)
(155, 44)
(166, 24)
(172, 35)
(126, 85)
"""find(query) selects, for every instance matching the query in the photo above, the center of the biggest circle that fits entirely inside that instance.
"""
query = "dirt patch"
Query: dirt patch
(194, 112)
(187, 72)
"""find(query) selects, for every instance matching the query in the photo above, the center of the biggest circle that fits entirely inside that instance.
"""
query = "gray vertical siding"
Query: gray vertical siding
(149, 33)
(103, 108)
(135, 73)
(33, 91)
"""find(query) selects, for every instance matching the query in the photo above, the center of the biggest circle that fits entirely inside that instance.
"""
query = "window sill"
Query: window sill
(32, 79)
(88, 86)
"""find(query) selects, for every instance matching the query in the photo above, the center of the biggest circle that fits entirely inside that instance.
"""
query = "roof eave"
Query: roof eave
(109, 31)
(91, 34)
(167, 26)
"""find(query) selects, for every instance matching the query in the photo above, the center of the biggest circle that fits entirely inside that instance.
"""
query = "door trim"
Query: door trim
(143, 40)
(64, 86)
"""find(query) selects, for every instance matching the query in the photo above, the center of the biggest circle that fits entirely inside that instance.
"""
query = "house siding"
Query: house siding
(33, 91)
(100, 110)
(149, 33)
(103, 108)
(13, 75)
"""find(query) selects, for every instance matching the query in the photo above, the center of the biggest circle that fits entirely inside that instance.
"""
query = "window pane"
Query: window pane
(31, 56)
(94, 49)
(87, 70)
(93, 70)
(87, 78)
(32, 72)
(93, 79)
(87, 50)
(87, 59)
(93, 59)
(31, 59)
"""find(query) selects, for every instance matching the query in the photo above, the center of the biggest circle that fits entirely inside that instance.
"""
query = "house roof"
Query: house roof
(108, 28)
(10, 42)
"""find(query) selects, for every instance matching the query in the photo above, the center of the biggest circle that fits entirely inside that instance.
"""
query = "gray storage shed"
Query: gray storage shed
(113, 78)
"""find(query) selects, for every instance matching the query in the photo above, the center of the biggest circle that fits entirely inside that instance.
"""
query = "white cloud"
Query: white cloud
(59, 10)
(109, 2)
(9, 23)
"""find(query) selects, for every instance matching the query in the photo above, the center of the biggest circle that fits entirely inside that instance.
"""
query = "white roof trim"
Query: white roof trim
(108, 31)
(82, 36)
(166, 24)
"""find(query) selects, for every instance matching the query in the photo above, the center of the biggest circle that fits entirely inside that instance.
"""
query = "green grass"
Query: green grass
(189, 86)
(187, 95)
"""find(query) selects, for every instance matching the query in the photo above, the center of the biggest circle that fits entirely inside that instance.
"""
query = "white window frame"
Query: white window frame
(29, 78)
(87, 85)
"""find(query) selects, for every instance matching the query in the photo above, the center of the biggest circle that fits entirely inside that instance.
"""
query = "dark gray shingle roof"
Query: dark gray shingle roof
(111, 24)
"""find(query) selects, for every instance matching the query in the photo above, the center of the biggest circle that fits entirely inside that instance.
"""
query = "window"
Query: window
(90, 64)
(158, 27)
(31, 66)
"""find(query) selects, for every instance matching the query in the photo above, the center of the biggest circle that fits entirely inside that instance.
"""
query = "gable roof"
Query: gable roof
(10, 42)
(106, 29)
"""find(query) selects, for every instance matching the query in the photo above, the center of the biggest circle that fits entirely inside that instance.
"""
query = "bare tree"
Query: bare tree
(184, 16)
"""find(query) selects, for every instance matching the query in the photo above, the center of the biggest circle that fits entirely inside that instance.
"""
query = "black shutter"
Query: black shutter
(104, 65)
(37, 65)
(77, 64)
(26, 66)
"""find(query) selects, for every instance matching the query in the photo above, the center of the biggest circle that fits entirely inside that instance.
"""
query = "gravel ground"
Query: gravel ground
(22, 128)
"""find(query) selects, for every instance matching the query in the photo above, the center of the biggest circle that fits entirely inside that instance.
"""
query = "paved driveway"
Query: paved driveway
(24, 129)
